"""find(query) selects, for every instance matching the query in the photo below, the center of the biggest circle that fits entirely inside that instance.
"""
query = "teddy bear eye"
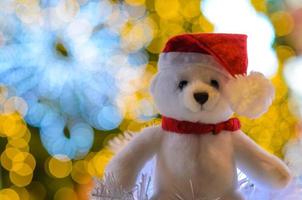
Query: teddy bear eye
(182, 84)
(214, 83)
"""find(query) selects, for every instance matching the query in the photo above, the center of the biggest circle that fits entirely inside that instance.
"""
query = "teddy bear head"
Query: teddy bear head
(198, 82)
(191, 93)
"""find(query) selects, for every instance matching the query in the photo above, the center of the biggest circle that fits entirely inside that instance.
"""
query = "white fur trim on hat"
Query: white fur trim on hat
(250, 95)
(179, 59)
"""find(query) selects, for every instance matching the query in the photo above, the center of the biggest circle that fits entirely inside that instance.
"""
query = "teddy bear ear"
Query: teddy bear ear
(251, 95)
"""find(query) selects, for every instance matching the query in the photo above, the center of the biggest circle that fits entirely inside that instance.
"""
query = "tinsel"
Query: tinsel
(108, 189)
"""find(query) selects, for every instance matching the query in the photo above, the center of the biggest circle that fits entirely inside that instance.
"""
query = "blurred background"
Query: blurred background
(75, 73)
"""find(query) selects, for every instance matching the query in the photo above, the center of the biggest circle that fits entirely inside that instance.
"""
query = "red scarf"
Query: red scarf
(186, 127)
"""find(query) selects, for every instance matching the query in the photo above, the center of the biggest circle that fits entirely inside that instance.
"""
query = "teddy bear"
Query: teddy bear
(201, 82)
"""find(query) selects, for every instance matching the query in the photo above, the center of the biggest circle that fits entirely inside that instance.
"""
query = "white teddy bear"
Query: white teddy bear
(201, 82)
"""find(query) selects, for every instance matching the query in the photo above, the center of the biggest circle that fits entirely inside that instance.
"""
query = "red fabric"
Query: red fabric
(229, 50)
(185, 127)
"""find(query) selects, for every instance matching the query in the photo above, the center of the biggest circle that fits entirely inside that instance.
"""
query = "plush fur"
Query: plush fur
(207, 162)
(257, 92)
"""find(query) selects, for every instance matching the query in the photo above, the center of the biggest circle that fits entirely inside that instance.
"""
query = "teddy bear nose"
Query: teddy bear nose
(201, 97)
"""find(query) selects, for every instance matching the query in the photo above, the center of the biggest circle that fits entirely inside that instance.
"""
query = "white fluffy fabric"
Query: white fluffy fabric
(293, 156)
(174, 60)
(251, 192)
(119, 142)
(250, 95)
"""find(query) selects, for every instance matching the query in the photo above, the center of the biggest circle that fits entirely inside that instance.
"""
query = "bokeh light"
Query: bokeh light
(60, 167)
(283, 23)
(80, 173)
(9, 194)
(65, 194)
(292, 72)
(167, 9)
(22, 192)
(64, 71)
(74, 74)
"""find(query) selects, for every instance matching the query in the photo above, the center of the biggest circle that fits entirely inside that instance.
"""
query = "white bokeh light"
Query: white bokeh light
(239, 16)
(293, 72)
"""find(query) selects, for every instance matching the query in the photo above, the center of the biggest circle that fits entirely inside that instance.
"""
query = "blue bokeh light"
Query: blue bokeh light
(67, 65)
(109, 117)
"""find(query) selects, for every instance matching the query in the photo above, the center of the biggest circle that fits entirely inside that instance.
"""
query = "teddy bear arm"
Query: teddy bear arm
(265, 169)
(125, 166)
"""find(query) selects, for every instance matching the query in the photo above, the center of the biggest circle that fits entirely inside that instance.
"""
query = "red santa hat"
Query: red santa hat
(249, 95)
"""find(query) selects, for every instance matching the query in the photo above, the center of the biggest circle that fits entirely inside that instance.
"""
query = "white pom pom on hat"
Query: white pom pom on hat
(249, 95)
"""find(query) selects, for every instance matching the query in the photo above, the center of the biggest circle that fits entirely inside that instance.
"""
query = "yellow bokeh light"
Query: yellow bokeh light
(22, 192)
(152, 30)
(22, 169)
(156, 45)
(8, 156)
(20, 180)
(129, 107)
(167, 9)
(29, 160)
(2, 133)
(135, 2)
(190, 8)
(133, 36)
(59, 168)
(18, 143)
(12, 125)
(285, 52)
(65, 194)
(283, 23)
(24, 134)
(169, 29)
(259, 5)
(91, 169)
(6, 162)
(99, 162)
(201, 24)
(80, 173)
(9, 194)
(19, 157)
